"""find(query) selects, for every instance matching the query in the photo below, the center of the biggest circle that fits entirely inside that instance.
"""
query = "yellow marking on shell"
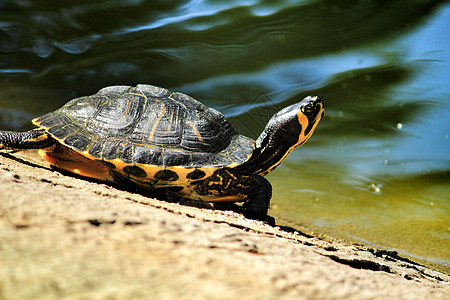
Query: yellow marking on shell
(151, 170)
(197, 133)
(35, 122)
(84, 167)
(169, 127)
(182, 171)
(124, 115)
(70, 160)
(161, 114)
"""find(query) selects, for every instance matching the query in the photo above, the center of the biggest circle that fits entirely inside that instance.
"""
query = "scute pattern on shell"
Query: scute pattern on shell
(147, 125)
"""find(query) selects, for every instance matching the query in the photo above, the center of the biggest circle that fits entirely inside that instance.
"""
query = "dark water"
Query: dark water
(377, 169)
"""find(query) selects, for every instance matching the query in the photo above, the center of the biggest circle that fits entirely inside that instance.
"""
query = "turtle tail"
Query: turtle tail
(33, 139)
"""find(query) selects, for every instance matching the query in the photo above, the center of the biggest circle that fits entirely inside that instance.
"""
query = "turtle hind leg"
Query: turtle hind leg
(33, 139)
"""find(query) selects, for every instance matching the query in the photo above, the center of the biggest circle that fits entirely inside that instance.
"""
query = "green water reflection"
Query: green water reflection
(377, 169)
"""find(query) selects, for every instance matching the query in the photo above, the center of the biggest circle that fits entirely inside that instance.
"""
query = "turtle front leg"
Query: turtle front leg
(224, 187)
(33, 139)
(257, 202)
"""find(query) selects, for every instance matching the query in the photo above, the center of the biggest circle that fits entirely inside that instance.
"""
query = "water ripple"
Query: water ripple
(78, 45)
(191, 10)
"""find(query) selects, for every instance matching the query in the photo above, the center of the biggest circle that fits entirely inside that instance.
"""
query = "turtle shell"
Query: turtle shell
(147, 125)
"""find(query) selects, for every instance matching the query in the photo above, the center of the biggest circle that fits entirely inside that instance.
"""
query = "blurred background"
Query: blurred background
(377, 170)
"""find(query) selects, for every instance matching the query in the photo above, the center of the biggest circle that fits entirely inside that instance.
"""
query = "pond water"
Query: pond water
(377, 169)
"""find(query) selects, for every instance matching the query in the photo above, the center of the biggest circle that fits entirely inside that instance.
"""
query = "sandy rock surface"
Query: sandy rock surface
(62, 237)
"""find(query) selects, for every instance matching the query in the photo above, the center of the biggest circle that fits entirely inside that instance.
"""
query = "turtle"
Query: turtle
(169, 144)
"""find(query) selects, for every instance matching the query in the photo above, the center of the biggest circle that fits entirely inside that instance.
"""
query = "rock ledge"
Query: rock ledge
(65, 237)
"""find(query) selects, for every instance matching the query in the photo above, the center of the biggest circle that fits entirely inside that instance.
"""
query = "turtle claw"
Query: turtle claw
(270, 221)
(259, 217)
(253, 210)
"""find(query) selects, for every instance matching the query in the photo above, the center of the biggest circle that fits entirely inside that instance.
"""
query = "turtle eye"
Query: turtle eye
(307, 109)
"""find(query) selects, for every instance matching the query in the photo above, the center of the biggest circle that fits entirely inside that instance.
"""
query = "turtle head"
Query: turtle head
(289, 128)
(293, 125)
